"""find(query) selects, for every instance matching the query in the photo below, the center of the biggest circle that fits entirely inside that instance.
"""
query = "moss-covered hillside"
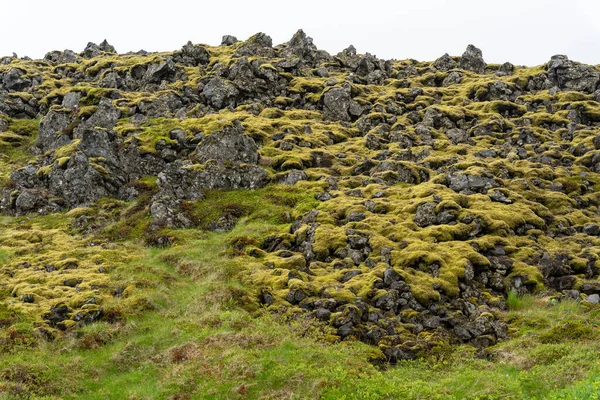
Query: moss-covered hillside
(263, 221)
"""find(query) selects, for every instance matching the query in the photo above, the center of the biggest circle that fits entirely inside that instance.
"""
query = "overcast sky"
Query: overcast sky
(525, 32)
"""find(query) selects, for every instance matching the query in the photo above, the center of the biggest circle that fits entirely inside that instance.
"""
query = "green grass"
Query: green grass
(588, 389)
(203, 336)
(191, 326)
(517, 302)
(273, 205)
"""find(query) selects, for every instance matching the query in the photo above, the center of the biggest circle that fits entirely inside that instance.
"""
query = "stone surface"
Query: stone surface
(472, 60)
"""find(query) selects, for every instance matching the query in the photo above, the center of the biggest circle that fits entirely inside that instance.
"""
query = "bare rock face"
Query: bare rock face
(51, 132)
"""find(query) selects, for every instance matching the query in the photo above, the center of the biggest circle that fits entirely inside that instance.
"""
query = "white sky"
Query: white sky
(525, 32)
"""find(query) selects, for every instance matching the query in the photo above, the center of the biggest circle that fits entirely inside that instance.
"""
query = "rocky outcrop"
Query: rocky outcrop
(225, 160)
(61, 57)
(336, 104)
(445, 63)
(98, 164)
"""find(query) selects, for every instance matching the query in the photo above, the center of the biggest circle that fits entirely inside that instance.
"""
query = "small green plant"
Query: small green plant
(516, 302)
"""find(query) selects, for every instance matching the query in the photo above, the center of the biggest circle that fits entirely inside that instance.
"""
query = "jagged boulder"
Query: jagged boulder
(227, 146)
(445, 63)
(18, 106)
(249, 80)
(220, 93)
(228, 40)
(14, 80)
(348, 58)
(472, 60)
(500, 90)
(191, 55)
(300, 46)
(166, 70)
(505, 69)
(52, 131)
(336, 104)
(300, 51)
(61, 57)
(81, 182)
(259, 44)
(105, 117)
(466, 183)
(566, 74)
(71, 100)
(93, 50)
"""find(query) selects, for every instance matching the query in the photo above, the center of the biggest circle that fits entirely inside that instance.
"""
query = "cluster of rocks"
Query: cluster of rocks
(389, 315)
(458, 150)
(99, 164)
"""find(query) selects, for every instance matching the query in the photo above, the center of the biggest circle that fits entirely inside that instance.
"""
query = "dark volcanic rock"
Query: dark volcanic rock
(220, 93)
(336, 103)
(472, 60)
(93, 50)
(228, 40)
(229, 145)
(51, 132)
(191, 55)
(61, 57)
(445, 63)
(465, 183)
(566, 74)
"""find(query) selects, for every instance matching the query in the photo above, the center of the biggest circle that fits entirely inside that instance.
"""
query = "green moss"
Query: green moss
(570, 330)
(67, 150)
(282, 101)
(328, 240)
(304, 85)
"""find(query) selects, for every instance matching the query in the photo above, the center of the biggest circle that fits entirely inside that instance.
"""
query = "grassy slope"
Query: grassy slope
(201, 336)
(190, 326)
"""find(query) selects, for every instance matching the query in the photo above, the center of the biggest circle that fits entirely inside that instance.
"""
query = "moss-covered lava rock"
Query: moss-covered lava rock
(435, 187)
